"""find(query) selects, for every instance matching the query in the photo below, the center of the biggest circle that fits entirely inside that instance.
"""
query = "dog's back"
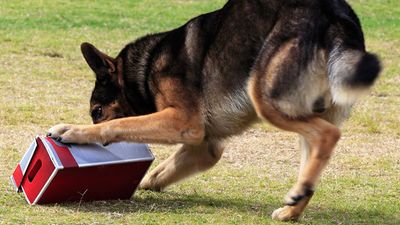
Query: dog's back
(317, 46)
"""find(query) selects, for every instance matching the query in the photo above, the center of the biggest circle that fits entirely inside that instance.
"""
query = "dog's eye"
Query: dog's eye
(97, 113)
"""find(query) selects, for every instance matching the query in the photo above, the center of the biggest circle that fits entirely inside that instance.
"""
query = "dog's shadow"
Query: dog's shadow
(175, 202)
(172, 202)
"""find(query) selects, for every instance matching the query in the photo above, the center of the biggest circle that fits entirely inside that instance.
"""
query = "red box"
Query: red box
(52, 172)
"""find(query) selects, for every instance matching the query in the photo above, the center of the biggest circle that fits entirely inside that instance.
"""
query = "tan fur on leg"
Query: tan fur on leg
(305, 153)
(168, 126)
(188, 160)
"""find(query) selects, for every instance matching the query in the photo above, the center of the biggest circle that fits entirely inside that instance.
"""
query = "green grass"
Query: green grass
(44, 81)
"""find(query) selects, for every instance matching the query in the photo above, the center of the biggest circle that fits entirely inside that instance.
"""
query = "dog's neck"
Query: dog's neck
(136, 59)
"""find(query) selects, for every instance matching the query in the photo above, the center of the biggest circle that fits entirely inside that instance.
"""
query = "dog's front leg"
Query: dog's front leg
(170, 125)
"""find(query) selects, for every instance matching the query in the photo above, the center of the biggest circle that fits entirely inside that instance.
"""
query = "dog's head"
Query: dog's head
(107, 101)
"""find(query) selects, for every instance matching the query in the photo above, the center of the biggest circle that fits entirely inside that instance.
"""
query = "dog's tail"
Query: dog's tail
(351, 69)
(351, 73)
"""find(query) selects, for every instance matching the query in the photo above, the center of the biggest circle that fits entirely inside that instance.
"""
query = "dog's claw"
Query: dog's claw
(106, 144)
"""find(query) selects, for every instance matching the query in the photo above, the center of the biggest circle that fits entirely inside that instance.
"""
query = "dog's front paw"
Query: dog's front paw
(68, 133)
(148, 184)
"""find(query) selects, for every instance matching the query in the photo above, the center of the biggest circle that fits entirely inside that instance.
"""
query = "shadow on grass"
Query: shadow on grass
(173, 202)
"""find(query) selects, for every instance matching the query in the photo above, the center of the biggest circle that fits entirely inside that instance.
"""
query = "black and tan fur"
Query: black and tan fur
(298, 64)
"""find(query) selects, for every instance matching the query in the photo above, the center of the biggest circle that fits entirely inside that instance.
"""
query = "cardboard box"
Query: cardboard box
(52, 172)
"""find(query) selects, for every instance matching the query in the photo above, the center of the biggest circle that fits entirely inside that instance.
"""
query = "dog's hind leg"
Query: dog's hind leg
(188, 160)
(305, 153)
(335, 115)
(321, 136)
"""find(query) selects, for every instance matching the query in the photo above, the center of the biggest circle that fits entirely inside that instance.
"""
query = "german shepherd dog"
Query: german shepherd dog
(298, 64)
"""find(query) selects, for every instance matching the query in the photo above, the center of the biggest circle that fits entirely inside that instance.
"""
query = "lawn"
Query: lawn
(44, 81)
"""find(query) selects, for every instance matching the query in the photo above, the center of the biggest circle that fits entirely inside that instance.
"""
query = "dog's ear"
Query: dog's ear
(102, 64)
